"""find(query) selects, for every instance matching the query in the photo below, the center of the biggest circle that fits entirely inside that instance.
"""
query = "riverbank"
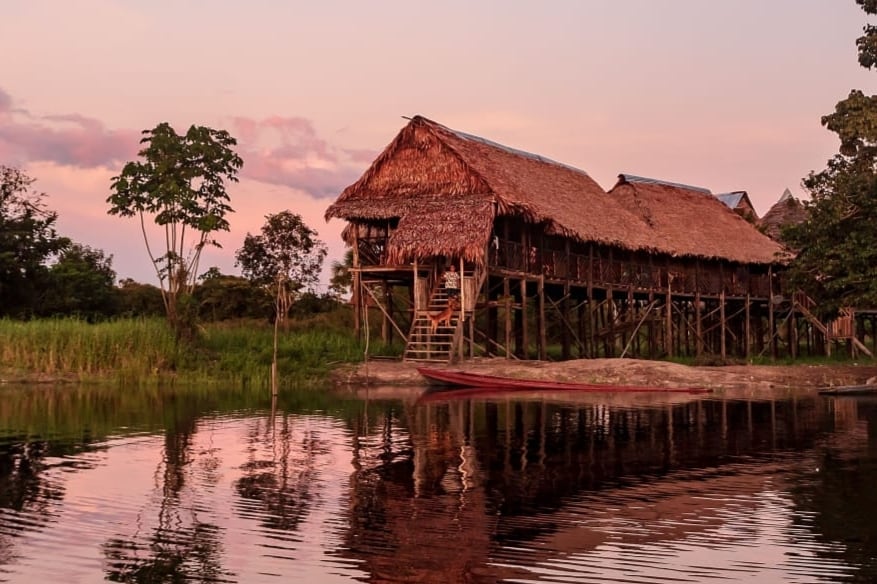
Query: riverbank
(729, 378)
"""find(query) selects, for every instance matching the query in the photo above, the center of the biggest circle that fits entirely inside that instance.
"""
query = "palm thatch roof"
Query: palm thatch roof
(441, 190)
(690, 221)
(446, 187)
(786, 211)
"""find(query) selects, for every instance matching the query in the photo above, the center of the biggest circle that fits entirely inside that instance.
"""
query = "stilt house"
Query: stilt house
(551, 263)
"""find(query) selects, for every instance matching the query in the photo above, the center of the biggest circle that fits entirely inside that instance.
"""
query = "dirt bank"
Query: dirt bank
(628, 371)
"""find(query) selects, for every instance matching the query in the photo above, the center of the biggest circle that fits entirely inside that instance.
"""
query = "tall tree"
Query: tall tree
(286, 258)
(28, 239)
(836, 246)
(180, 182)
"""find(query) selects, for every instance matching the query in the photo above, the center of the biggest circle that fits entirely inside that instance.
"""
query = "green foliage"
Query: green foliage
(180, 182)
(28, 239)
(286, 258)
(222, 297)
(287, 249)
(867, 44)
(836, 246)
(81, 283)
(136, 299)
(341, 282)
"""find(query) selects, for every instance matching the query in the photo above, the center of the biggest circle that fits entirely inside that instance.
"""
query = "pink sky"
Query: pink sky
(723, 95)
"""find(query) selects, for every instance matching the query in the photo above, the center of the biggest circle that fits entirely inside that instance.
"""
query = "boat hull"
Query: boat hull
(463, 379)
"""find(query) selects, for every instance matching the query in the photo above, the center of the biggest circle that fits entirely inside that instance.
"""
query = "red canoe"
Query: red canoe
(475, 380)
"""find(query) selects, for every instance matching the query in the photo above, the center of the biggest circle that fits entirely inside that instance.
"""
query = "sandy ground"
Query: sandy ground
(725, 379)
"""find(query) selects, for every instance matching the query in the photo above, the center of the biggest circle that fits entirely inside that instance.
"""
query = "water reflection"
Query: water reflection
(217, 486)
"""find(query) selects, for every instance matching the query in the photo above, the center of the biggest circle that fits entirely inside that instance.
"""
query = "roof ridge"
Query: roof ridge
(632, 178)
(498, 146)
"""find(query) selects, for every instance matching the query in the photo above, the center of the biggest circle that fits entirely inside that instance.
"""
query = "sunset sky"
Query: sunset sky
(723, 95)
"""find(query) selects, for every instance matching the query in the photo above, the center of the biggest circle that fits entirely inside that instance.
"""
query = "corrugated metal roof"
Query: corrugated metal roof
(731, 199)
(632, 178)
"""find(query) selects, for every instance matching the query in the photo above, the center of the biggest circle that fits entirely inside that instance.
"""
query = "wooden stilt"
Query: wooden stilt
(723, 326)
(542, 340)
(507, 294)
(747, 348)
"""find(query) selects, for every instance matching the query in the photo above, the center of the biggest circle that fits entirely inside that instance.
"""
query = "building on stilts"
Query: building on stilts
(552, 265)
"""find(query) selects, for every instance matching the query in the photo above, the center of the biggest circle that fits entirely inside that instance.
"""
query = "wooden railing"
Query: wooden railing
(602, 271)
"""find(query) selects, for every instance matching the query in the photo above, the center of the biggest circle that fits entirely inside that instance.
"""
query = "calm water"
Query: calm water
(218, 486)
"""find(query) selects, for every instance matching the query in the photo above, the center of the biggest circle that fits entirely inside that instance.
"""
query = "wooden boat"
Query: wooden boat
(465, 379)
(850, 390)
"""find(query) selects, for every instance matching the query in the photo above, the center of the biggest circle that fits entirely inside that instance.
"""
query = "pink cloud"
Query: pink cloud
(68, 140)
(277, 150)
(287, 151)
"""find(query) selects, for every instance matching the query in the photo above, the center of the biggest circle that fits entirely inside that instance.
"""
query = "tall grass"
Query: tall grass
(145, 351)
(73, 348)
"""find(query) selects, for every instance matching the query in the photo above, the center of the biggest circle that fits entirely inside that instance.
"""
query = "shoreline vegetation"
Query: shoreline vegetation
(143, 351)
(321, 350)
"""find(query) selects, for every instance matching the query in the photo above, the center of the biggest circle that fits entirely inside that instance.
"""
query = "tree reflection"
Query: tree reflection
(181, 547)
(839, 495)
(281, 473)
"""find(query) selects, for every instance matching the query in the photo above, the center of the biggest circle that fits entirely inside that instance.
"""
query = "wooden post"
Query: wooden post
(698, 324)
(564, 307)
(592, 344)
(610, 321)
(543, 344)
(668, 333)
(747, 349)
(507, 293)
(722, 325)
(524, 350)
(386, 332)
(492, 321)
(771, 325)
(463, 303)
(355, 288)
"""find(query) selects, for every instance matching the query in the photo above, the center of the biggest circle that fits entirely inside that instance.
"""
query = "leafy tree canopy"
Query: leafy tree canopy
(836, 246)
(28, 239)
(287, 258)
(180, 182)
(81, 283)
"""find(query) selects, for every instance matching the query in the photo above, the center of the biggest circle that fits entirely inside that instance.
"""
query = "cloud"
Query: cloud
(68, 140)
(277, 150)
(287, 151)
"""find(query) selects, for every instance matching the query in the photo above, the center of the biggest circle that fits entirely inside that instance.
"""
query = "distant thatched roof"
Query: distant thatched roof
(690, 221)
(739, 201)
(445, 188)
(787, 211)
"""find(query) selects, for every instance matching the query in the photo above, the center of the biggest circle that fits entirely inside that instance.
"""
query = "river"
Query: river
(386, 485)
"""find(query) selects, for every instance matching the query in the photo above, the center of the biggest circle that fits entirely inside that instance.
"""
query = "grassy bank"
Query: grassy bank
(144, 351)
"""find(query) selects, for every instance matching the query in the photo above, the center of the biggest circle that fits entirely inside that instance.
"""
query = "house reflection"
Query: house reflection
(477, 478)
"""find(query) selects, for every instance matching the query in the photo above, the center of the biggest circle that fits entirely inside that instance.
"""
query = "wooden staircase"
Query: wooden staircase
(839, 329)
(441, 347)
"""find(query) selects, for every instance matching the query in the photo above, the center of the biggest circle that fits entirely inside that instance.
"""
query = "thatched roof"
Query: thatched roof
(445, 188)
(739, 201)
(690, 221)
(787, 211)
